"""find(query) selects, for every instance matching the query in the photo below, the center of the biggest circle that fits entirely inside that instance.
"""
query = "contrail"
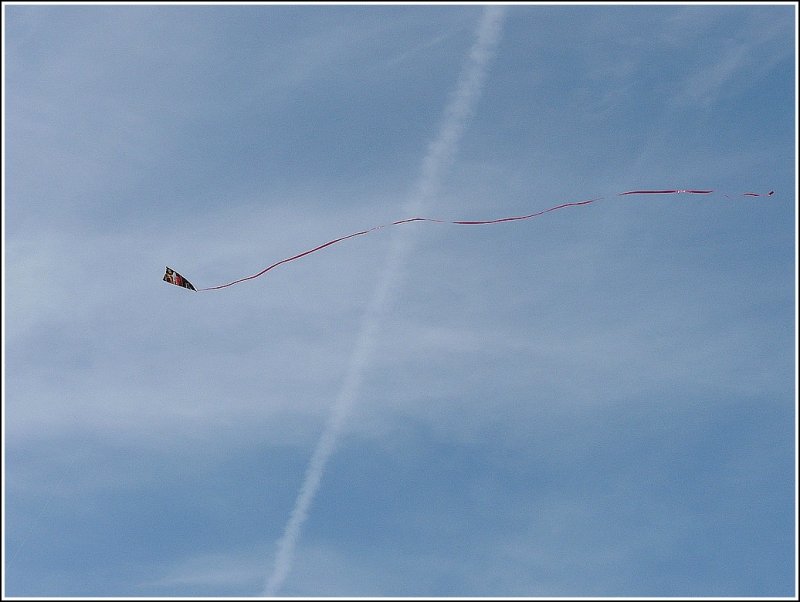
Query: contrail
(439, 156)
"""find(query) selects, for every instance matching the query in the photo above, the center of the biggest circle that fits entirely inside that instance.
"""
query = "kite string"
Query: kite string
(462, 223)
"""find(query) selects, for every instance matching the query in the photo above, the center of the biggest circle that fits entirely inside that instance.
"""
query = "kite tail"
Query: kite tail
(175, 278)
(395, 223)
(770, 193)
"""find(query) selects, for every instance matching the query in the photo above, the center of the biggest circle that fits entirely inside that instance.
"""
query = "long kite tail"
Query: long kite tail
(396, 223)
(770, 193)
(458, 222)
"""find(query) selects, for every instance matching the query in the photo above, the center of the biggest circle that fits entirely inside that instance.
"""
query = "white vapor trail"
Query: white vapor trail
(439, 156)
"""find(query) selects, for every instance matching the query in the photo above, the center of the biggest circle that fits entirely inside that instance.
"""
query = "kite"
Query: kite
(173, 277)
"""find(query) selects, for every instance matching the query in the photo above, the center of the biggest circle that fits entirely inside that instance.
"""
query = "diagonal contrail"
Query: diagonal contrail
(439, 155)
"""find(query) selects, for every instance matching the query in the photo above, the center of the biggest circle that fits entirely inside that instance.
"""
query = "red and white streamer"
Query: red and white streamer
(465, 223)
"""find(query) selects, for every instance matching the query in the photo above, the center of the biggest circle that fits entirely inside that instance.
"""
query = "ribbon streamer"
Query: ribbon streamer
(183, 282)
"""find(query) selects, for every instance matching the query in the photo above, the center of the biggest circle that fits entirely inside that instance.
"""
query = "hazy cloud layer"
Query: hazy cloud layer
(596, 402)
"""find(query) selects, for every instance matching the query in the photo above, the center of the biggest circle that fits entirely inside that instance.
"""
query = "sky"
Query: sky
(600, 401)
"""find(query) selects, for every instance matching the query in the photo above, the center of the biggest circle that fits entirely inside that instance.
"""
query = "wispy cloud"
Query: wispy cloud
(220, 570)
(439, 155)
(617, 378)
(706, 85)
(748, 55)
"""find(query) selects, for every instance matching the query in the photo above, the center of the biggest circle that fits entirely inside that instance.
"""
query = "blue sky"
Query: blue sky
(597, 402)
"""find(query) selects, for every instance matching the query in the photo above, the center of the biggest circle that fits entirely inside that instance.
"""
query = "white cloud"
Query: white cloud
(437, 158)
(738, 63)
(234, 571)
